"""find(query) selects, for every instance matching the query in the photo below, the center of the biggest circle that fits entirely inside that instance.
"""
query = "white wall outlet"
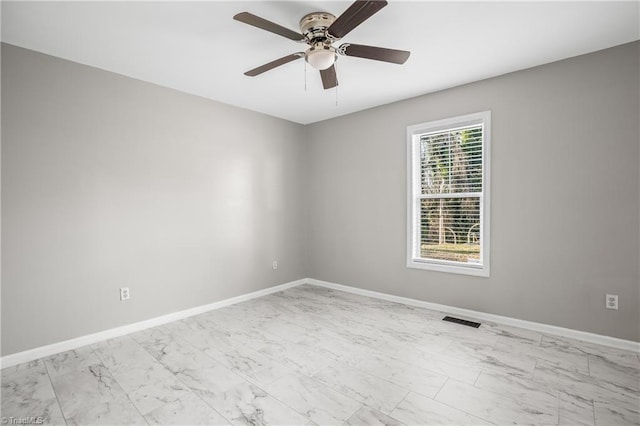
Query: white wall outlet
(124, 293)
(275, 265)
(611, 301)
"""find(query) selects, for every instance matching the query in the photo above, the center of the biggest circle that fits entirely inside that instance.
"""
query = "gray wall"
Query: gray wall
(110, 182)
(565, 185)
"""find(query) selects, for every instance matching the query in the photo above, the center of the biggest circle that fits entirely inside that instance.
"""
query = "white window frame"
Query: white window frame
(414, 191)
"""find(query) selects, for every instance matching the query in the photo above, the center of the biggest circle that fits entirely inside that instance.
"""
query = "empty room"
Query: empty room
(320, 213)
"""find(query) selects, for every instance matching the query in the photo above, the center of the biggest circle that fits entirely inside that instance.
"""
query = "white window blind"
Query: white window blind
(448, 195)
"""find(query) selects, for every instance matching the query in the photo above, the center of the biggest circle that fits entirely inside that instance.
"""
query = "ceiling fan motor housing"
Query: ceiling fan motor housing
(314, 26)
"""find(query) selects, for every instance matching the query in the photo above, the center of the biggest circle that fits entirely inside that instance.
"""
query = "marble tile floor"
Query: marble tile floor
(310, 355)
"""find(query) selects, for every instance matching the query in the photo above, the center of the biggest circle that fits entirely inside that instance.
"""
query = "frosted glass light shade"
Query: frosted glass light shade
(320, 59)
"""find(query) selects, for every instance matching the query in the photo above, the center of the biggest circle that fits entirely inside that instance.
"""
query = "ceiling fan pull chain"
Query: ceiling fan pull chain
(305, 76)
(336, 86)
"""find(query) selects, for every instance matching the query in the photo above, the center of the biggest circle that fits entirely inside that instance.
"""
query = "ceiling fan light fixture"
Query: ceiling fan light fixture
(321, 57)
(319, 30)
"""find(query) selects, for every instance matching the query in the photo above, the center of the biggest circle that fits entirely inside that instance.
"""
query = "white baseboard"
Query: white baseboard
(529, 325)
(43, 351)
(67, 345)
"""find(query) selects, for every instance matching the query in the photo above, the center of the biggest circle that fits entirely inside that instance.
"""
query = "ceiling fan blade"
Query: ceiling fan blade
(329, 77)
(273, 64)
(376, 53)
(256, 21)
(355, 15)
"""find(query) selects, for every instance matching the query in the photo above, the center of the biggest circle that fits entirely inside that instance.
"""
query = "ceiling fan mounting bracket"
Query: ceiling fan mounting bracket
(314, 26)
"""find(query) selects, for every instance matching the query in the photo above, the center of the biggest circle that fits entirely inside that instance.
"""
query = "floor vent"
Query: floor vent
(461, 321)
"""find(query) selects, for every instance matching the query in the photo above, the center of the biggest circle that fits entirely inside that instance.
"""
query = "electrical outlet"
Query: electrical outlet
(124, 293)
(275, 265)
(611, 301)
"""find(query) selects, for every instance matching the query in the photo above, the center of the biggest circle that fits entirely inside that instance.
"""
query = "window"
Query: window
(448, 202)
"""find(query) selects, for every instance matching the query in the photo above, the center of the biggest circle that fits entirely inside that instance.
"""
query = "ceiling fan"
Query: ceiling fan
(320, 30)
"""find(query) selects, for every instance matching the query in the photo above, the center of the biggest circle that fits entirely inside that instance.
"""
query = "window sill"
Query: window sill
(479, 271)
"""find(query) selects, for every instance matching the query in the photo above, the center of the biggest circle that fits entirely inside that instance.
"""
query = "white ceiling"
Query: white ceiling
(196, 47)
